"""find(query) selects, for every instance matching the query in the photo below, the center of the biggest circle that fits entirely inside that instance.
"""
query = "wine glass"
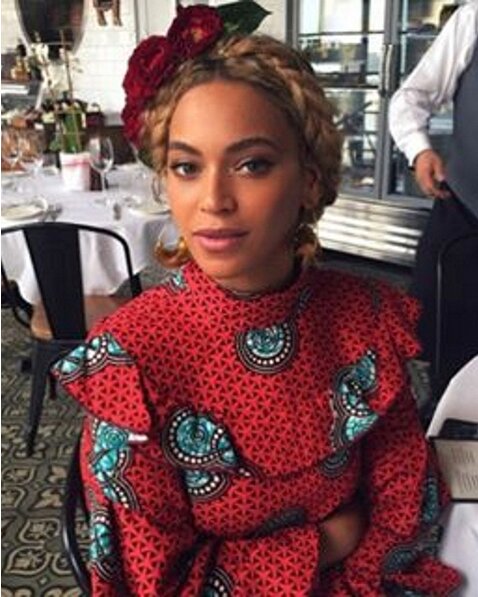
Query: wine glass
(159, 195)
(10, 147)
(31, 145)
(101, 154)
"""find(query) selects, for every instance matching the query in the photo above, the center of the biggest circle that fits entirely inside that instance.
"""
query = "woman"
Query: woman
(236, 413)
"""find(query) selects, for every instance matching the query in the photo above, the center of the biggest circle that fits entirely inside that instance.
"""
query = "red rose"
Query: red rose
(194, 29)
(156, 58)
(132, 116)
(150, 63)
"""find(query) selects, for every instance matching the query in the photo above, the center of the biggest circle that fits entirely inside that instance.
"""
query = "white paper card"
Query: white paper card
(458, 460)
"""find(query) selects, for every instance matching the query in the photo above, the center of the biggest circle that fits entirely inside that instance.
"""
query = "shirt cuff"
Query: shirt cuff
(415, 145)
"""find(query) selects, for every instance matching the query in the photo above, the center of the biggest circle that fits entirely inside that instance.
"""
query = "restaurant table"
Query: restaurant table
(459, 546)
(102, 260)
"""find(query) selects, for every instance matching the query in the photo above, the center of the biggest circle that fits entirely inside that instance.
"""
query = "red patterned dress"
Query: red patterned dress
(222, 429)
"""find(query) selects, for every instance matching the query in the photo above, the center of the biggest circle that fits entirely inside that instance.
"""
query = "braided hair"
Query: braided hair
(285, 76)
(288, 80)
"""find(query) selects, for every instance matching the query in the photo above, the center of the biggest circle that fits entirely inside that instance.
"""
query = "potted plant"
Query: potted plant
(68, 115)
(69, 141)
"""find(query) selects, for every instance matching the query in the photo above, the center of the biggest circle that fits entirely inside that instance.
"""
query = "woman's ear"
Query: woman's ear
(312, 188)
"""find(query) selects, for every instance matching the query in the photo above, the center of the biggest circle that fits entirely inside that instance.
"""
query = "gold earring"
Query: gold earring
(172, 257)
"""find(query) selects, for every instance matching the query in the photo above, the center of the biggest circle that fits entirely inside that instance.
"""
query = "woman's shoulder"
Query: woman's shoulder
(344, 290)
(154, 306)
(341, 293)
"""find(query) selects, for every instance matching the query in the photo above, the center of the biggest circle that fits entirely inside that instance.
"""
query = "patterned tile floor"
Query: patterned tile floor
(32, 560)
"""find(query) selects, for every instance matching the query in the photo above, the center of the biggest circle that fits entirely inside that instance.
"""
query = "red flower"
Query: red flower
(151, 62)
(194, 29)
(156, 58)
(133, 122)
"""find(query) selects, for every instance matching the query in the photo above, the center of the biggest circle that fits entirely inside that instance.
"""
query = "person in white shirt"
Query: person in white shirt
(447, 72)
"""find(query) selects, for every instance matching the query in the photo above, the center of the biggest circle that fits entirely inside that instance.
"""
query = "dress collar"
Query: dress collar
(259, 309)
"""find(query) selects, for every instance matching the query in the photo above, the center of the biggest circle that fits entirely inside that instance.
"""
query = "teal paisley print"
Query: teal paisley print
(103, 557)
(111, 456)
(174, 281)
(394, 590)
(352, 415)
(431, 500)
(90, 357)
(427, 539)
(335, 464)
(271, 349)
(218, 584)
(203, 450)
(267, 350)
(402, 556)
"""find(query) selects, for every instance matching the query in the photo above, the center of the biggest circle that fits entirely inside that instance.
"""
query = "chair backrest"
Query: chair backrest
(54, 249)
(456, 326)
(22, 311)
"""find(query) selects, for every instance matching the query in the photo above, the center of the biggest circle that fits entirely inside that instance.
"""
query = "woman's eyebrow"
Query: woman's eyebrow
(182, 146)
(249, 142)
(240, 145)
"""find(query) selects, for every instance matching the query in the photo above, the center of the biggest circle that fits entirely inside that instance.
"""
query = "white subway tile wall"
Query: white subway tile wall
(102, 54)
(103, 51)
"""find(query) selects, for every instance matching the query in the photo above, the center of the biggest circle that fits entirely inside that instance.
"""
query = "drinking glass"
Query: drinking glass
(10, 147)
(101, 154)
(159, 195)
(10, 152)
(31, 145)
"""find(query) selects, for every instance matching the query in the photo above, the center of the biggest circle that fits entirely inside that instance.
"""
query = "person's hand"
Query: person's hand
(430, 174)
(341, 532)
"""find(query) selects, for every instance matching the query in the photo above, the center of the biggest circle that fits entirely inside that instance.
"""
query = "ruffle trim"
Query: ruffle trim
(364, 390)
(106, 381)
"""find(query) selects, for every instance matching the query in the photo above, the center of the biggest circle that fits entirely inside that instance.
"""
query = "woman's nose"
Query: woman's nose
(217, 193)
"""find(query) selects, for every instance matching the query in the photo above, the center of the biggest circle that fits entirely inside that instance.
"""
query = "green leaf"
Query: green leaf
(72, 133)
(244, 16)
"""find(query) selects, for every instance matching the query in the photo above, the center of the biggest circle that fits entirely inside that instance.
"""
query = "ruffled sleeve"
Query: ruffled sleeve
(394, 318)
(105, 380)
(400, 483)
(142, 532)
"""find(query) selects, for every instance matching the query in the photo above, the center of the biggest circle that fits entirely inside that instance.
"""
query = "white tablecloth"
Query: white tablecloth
(103, 262)
(459, 546)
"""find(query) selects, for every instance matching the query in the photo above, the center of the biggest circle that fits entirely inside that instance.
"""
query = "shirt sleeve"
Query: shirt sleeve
(142, 533)
(284, 562)
(433, 82)
(405, 498)
(402, 489)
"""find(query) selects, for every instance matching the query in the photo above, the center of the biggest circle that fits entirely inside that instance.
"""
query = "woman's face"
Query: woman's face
(235, 184)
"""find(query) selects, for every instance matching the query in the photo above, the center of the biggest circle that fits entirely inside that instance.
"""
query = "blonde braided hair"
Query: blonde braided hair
(288, 80)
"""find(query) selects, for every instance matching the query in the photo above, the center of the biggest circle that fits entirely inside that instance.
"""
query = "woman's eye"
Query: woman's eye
(184, 169)
(255, 166)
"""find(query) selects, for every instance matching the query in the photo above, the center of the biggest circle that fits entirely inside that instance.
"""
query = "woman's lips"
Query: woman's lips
(219, 240)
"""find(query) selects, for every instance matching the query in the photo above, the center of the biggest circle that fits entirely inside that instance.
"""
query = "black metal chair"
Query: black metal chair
(73, 500)
(65, 315)
(456, 325)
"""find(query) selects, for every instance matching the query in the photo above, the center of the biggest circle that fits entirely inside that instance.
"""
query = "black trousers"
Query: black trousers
(449, 219)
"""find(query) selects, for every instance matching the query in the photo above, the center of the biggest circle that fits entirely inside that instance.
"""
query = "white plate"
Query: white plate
(23, 212)
(49, 171)
(149, 209)
(127, 167)
(7, 183)
(13, 174)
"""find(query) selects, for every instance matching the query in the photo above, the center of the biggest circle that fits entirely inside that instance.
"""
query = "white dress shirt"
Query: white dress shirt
(433, 82)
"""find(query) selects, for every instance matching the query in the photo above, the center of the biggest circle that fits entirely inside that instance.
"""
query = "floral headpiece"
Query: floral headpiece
(156, 58)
